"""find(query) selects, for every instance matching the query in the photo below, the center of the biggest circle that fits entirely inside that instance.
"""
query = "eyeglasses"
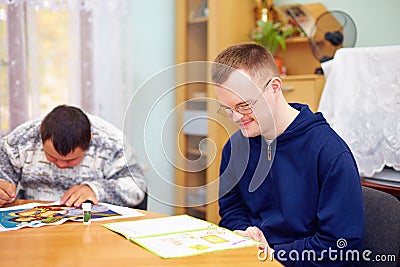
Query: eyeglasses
(243, 108)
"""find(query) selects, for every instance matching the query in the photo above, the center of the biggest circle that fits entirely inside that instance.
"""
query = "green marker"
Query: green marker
(87, 212)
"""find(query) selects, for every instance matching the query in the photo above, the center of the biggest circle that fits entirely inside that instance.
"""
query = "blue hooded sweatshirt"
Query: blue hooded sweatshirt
(302, 190)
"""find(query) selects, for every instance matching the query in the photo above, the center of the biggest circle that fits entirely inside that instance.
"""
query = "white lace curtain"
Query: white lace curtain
(98, 64)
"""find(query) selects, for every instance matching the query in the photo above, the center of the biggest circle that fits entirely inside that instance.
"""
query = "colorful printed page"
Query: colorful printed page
(37, 214)
(179, 236)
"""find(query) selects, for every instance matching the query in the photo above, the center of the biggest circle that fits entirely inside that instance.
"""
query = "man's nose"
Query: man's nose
(236, 116)
(61, 164)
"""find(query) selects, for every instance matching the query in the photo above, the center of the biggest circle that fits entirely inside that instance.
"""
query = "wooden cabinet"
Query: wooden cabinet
(305, 89)
(203, 29)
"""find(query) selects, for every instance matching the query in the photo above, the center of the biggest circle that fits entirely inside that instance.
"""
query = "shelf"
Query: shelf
(298, 77)
(195, 122)
(198, 20)
(297, 40)
(194, 152)
(198, 11)
(197, 103)
(201, 99)
(197, 212)
(199, 208)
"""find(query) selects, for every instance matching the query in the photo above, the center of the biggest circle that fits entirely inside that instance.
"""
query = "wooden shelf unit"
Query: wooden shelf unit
(201, 38)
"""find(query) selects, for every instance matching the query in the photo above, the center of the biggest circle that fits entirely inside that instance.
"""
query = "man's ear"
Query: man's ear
(276, 84)
(40, 130)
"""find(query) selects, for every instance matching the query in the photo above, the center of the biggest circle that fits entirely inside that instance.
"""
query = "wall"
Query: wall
(377, 21)
(153, 48)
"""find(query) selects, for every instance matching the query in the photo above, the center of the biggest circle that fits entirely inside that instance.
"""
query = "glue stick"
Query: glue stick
(87, 212)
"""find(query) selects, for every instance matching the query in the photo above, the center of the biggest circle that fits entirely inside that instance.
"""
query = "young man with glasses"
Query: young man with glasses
(286, 178)
(70, 156)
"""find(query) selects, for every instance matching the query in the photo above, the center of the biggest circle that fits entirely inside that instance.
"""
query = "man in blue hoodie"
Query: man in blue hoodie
(286, 178)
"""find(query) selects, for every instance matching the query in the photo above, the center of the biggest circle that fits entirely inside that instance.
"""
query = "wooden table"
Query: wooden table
(74, 244)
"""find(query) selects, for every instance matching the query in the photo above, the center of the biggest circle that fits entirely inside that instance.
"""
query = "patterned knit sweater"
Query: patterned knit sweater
(109, 167)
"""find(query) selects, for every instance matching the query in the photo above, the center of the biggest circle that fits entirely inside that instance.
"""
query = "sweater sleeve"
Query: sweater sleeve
(232, 208)
(340, 215)
(9, 161)
(124, 182)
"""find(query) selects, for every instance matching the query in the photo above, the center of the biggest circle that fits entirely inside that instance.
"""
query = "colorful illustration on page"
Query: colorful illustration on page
(48, 214)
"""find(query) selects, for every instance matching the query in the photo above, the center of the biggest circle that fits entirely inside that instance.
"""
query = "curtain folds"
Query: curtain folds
(83, 62)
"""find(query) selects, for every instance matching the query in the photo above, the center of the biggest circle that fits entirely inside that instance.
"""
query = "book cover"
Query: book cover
(179, 236)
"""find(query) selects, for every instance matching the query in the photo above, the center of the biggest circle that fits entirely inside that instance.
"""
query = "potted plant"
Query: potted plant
(272, 35)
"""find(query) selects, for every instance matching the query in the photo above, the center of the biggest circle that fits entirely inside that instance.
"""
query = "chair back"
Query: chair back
(142, 205)
(382, 234)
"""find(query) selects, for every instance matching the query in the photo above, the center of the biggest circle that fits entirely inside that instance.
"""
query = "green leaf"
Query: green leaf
(271, 35)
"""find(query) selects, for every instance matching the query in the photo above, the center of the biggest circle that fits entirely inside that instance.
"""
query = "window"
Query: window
(76, 52)
(41, 64)
(48, 59)
(3, 72)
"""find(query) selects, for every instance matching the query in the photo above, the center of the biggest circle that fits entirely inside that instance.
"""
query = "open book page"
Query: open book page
(194, 242)
(39, 214)
(179, 236)
(158, 226)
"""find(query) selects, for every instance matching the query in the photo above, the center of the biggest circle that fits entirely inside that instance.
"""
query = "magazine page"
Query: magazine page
(38, 214)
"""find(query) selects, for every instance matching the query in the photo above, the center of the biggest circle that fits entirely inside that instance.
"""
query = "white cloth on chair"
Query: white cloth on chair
(361, 101)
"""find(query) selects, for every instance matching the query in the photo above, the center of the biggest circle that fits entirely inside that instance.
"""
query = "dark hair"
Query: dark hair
(68, 128)
(256, 60)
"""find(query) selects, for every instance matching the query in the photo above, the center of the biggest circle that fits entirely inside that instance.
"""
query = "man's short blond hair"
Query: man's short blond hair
(252, 58)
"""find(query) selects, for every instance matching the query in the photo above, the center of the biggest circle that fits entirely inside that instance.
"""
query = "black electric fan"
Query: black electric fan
(332, 30)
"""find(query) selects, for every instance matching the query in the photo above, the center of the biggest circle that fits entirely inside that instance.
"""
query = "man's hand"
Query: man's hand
(254, 233)
(78, 194)
(8, 192)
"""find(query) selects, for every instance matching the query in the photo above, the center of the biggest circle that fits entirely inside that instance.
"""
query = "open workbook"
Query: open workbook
(179, 236)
